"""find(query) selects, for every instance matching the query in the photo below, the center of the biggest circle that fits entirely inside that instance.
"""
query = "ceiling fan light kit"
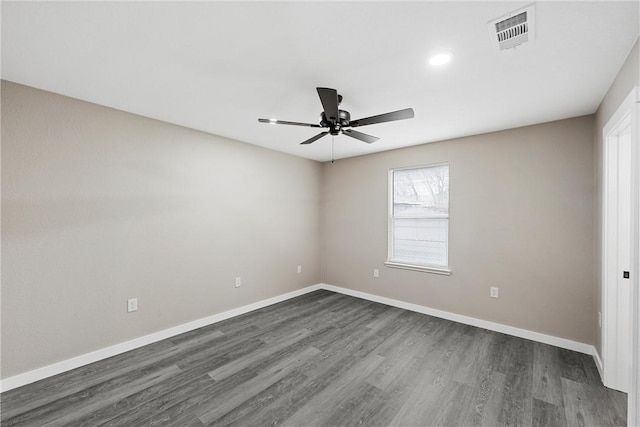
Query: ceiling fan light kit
(339, 121)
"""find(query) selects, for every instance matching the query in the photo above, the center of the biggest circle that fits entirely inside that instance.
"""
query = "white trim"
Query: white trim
(85, 359)
(467, 320)
(633, 402)
(598, 360)
(423, 268)
(611, 374)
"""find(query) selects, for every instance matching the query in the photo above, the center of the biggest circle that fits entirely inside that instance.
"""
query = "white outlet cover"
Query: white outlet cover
(495, 293)
(299, 269)
(376, 272)
(238, 282)
(132, 305)
(600, 319)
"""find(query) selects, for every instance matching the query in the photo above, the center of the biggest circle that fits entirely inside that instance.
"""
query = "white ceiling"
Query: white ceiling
(218, 66)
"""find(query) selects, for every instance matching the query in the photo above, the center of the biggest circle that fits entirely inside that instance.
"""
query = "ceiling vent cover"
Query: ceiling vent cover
(513, 29)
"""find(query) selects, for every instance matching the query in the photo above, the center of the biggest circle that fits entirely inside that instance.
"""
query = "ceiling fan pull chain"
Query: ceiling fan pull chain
(332, 148)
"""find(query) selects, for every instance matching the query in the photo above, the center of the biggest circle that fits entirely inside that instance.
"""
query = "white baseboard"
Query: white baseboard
(598, 360)
(85, 359)
(498, 327)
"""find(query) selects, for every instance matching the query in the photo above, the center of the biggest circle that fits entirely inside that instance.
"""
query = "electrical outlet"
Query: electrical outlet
(600, 319)
(495, 293)
(376, 272)
(132, 305)
(238, 282)
(299, 269)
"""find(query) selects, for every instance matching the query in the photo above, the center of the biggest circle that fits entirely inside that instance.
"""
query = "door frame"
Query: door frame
(629, 108)
(633, 413)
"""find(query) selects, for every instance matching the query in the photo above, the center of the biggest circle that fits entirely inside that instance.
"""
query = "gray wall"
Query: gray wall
(99, 206)
(628, 77)
(521, 219)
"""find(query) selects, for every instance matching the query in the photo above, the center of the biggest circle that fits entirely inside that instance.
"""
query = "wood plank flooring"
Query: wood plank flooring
(325, 359)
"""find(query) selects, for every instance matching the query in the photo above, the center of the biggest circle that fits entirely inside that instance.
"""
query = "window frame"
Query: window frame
(426, 268)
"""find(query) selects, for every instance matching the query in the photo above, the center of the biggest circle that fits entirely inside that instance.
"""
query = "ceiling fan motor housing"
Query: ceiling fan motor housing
(344, 119)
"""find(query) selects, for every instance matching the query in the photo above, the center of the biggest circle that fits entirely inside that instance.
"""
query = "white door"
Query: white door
(617, 248)
(633, 405)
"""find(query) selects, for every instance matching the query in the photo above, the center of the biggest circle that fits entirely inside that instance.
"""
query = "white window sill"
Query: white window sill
(425, 269)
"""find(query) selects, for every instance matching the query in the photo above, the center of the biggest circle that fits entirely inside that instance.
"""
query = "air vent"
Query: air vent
(514, 29)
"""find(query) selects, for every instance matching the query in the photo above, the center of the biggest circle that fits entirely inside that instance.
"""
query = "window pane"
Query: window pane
(422, 192)
(420, 241)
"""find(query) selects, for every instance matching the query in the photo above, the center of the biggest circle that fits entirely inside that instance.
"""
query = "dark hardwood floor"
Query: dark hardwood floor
(325, 359)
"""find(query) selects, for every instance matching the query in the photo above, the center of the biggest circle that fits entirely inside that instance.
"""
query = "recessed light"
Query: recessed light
(440, 59)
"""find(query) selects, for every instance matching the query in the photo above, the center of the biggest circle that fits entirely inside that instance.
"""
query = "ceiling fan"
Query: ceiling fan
(337, 121)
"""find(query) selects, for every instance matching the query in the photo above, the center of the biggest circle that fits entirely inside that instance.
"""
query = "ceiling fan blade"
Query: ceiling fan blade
(407, 113)
(315, 138)
(359, 135)
(329, 99)
(284, 122)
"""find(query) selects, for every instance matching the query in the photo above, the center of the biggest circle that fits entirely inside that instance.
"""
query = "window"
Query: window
(419, 218)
